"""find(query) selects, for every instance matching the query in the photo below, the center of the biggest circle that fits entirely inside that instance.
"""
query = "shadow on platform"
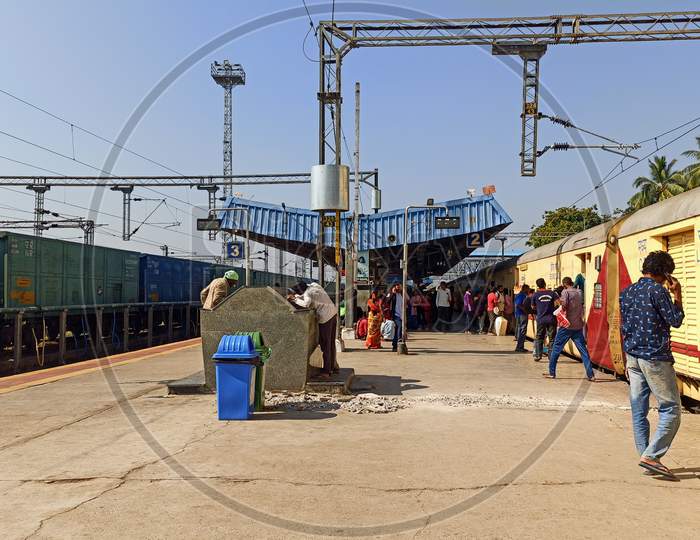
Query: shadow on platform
(490, 352)
(291, 414)
(384, 385)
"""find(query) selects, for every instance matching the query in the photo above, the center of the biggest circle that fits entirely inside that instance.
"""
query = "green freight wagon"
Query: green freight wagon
(46, 272)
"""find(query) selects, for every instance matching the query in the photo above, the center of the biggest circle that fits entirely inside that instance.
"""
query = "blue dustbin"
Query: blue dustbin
(236, 359)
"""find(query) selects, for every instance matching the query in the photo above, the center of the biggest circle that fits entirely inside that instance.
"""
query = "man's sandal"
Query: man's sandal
(658, 468)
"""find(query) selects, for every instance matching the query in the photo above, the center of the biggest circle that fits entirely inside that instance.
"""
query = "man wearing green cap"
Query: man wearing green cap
(215, 293)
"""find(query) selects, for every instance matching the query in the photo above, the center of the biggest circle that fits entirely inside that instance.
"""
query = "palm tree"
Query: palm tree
(694, 154)
(692, 172)
(663, 182)
(690, 178)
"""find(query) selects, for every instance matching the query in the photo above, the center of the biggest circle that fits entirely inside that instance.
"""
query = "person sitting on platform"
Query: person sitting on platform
(217, 291)
(314, 297)
(361, 327)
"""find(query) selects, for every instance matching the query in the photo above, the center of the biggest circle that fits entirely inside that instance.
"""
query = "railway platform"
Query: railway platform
(461, 438)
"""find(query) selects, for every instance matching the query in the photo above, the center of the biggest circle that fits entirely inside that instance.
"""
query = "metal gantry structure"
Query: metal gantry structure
(126, 184)
(527, 37)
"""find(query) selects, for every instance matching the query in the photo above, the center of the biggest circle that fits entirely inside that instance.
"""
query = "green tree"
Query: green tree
(694, 154)
(691, 174)
(663, 182)
(563, 222)
(690, 179)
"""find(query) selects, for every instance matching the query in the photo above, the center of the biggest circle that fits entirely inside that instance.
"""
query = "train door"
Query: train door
(580, 277)
(684, 340)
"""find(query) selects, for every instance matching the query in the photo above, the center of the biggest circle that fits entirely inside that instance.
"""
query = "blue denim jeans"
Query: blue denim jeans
(658, 378)
(468, 321)
(520, 330)
(397, 333)
(562, 338)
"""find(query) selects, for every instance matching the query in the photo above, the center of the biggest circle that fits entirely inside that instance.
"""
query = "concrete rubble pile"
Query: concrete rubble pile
(369, 403)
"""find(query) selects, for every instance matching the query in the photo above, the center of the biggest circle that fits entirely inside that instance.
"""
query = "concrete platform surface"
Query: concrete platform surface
(479, 446)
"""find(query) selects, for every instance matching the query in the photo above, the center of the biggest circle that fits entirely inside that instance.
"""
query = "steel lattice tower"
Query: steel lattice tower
(228, 75)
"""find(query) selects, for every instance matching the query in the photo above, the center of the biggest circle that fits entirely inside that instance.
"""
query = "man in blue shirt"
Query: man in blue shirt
(521, 318)
(647, 317)
(543, 304)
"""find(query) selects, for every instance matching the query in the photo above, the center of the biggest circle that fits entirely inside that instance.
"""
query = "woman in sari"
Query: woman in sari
(374, 321)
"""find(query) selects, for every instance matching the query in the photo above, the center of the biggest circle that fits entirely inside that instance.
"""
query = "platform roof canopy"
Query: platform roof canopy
(295, 230)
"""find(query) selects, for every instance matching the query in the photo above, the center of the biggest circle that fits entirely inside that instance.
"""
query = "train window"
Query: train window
(598, 262)
(598, 296)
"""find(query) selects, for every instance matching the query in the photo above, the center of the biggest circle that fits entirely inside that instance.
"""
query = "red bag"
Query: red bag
(562, 321)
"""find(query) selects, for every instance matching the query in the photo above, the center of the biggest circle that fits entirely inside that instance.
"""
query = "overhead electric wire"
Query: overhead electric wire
(115, 234)
(92, 133)
(670, 130)
(66, 156)
(30, 165)
(84, 130)
(312, 26)
(145, 219)
(609, 178)
(568, 124)
(92, 210)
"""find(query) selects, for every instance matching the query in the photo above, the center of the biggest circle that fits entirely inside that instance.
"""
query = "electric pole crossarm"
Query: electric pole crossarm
(556, 29)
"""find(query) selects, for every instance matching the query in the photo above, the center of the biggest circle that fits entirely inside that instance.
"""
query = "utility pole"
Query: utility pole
(502, 240)
(126, 209)
(39, 188)
(353, 245)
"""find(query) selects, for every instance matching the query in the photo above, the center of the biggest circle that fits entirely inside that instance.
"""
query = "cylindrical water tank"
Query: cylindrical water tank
(376, 199)
(330, 187)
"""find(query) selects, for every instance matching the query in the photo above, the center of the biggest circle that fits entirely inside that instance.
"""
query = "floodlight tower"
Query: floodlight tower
(227, 75)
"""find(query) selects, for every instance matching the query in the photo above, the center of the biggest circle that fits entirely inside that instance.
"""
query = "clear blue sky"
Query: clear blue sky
(435, 121)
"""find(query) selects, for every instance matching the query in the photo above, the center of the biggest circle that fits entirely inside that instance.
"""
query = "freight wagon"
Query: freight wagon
(607, 258)
(63, 301)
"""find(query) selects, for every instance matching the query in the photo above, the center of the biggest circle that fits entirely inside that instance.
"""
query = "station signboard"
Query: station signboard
(447, 222)
(208, 224)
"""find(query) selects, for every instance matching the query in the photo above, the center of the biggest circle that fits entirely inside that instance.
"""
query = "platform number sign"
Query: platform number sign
(475, 239)
(235, 250)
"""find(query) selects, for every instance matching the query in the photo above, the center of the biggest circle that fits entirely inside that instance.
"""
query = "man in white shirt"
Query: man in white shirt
(443, 302)
(313, 296)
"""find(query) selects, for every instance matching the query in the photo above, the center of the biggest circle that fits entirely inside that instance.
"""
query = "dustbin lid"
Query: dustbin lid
(234, 348)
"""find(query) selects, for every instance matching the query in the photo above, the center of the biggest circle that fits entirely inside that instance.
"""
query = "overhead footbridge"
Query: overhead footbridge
(431, 250)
